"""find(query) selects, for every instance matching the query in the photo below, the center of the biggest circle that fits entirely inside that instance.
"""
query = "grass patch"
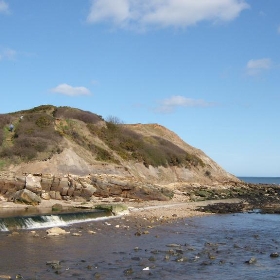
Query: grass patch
(154, 151)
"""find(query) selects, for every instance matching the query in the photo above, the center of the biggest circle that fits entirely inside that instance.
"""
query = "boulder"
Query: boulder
(55, 184)
(58, 196)
(78, 189)
(70, 191)
(46, 182)
(27, 197)
(52, 194)
(33, 184)
(45, 195)
(87, 191)
(56, 231)
(63, 183)
(115, 209)
(64, 190)
(9, 187)
(57, 207)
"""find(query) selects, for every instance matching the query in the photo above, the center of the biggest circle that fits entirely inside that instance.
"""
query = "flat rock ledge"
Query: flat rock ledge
(34, 189)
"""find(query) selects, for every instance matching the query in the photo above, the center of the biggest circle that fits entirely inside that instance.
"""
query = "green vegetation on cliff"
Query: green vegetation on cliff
(38, 133)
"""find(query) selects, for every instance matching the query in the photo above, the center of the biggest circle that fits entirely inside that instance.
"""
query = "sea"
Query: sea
(261, 180)
(221, 246)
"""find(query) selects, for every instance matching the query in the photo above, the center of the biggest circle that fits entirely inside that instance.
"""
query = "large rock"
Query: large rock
(27, 197)
(64, 182)
(56, 231)
(88, 190)
(33, 184)
(10, 186)
(115, 209)
(56, 184)
(45, 195)
(46, 182)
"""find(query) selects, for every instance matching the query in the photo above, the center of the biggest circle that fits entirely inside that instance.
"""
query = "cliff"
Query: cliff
(64, 140)
(129, 160)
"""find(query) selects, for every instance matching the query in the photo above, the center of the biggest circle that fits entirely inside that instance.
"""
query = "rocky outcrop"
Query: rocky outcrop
(31, 188)
(27, 197)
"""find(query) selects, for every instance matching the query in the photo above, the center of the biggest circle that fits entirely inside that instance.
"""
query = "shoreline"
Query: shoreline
(183, 204)
(152, 212)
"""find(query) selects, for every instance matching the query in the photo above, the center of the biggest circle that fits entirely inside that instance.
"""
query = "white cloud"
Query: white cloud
(256, 66)
(164, 13)
(7, 54)
(70, 91)
(4, 8)
(116, 10)
(168, 105)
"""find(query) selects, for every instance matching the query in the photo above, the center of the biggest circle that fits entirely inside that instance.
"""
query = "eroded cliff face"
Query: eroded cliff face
(78, 161)
(64, 141)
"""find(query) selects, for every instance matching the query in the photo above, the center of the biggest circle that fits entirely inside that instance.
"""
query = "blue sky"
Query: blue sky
(209, 70)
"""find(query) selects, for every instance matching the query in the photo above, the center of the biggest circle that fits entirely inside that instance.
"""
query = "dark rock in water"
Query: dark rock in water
(223, 208)
(211, 257)
(274, 255)
(97, 275)
(136, 258)
(166, 258)
(155, 251)
(128, 271)
(251, 261)
(206, 263)
(54, 265)
(179, 251)
(182, 259)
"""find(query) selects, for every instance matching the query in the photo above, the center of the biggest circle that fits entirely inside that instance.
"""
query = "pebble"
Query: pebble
(76, 234)
(173, 245)
(5, 277)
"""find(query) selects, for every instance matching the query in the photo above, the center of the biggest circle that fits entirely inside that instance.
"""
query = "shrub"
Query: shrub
(153, 151)
(5, 120)
(34, 134)
(72, 113)
(44, 121)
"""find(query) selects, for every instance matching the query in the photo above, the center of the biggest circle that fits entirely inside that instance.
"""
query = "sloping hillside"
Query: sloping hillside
(63, 140)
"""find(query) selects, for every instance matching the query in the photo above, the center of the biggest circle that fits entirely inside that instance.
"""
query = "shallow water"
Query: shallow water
(212, 247)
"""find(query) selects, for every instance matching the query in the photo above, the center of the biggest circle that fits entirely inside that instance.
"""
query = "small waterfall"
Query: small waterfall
(3, 227)
(50, 220)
